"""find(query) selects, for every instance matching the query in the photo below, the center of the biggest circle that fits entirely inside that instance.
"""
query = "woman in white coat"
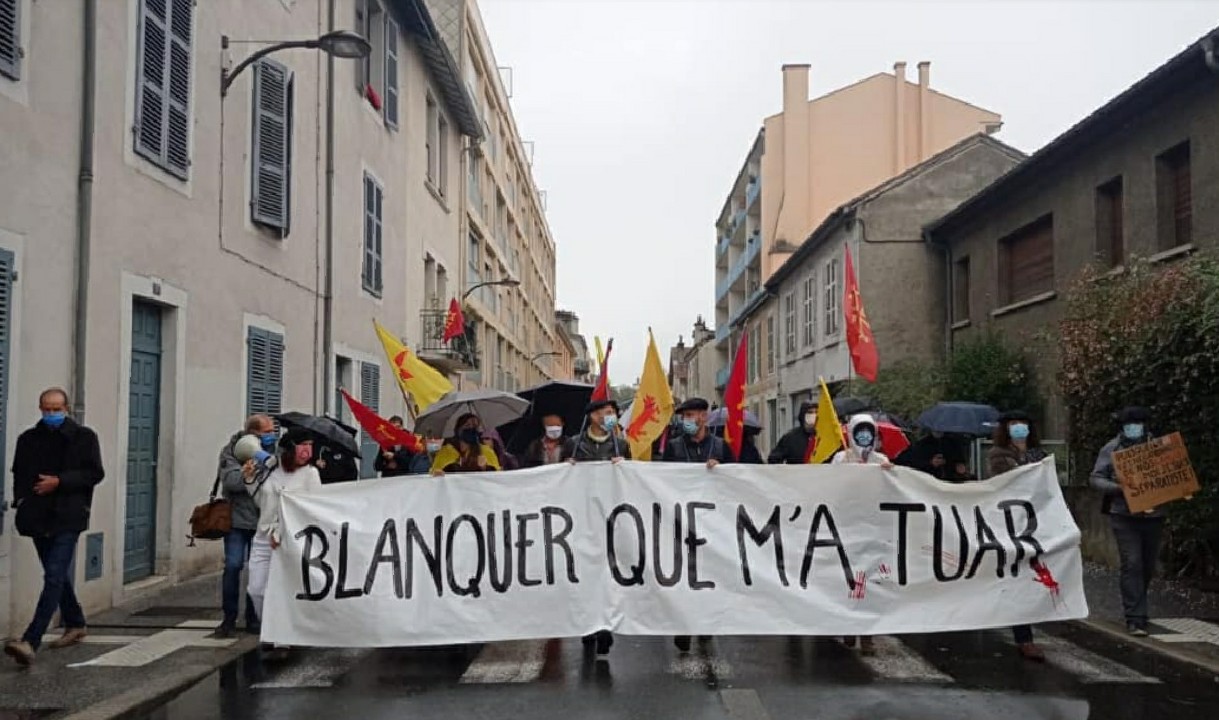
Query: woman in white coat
(293, 472)
(862, 437)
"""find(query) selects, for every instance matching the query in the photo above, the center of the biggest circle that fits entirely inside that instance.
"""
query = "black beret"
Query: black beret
(693, 405)
(596, 405)
(1017, 415)
(1133, 414)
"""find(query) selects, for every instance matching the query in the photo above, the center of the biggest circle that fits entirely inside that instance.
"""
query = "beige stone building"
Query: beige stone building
(813, 156)
(229, 250)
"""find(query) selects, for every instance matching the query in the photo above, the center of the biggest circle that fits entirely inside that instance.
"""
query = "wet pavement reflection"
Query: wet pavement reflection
(974, 675)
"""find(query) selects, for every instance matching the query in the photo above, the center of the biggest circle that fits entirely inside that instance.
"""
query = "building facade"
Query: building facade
(692, 367)
(568, 324)
(815, 155)
(230, 236)
(898, 274)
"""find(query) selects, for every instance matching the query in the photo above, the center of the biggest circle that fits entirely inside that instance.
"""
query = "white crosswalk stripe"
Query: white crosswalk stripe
(895, 661)
(1088, 667)
(518, 661)
(317, 669)
(1188, 630)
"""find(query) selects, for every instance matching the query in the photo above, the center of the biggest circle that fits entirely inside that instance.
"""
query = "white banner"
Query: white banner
(670, 549)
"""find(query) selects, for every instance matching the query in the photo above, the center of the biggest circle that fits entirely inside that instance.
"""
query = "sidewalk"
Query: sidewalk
(1184, 625)
(133, 659)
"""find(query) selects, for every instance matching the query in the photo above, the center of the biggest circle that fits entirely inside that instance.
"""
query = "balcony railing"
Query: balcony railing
(752, 191)
(460, 353)
(721, 247)
(738, 220)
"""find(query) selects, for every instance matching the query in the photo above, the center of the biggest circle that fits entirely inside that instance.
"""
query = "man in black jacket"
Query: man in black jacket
(796, 446)
(56, 464)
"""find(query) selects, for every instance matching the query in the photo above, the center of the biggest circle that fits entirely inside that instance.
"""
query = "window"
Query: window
(810, 318)
(371, 274)
(1174, 198)
(162, 111)
(370, 396)
(751, 354)
(473, 262)
(489, 292)
(10, 38)
(960, 290)
(379, 71)
(271, 158)
(771, 349)
(833, 312)
(264, 372)
(431, 142)
(474, 170)
(1026, 261)
(442, 151)
(789, 323)
(1110, 245)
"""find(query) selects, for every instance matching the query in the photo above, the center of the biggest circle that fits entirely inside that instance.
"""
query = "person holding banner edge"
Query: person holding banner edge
(1017, 443)
(1137, 534)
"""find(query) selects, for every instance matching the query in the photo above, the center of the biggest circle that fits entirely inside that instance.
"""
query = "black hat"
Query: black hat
(1018, 415)
(693, 405)
(596, 405)
(1133, 414)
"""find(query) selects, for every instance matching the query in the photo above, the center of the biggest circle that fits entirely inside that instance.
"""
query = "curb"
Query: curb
(158, 691)
(1114, 632)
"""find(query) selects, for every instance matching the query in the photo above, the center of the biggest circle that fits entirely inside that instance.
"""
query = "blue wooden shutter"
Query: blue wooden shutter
(162, 126)
(370, 395)
(6, 324)
(371, 266)
(264, 372)
(10, 38)
(275, 373)
(272, 148)
(391, 71)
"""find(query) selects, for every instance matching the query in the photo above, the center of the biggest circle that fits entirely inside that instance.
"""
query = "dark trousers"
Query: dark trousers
(1023, 634)
(1138, 544)
(55, 552)
(236, 551)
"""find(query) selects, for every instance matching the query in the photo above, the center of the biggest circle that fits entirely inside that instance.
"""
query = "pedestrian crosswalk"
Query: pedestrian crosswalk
(899, 661)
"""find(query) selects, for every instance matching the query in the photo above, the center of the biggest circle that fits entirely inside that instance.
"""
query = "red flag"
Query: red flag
(601, 392)
(734, 399)
(380, 429)
(859, 332)
(454, 322)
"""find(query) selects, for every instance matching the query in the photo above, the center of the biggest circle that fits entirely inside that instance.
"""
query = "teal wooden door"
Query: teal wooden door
(143, 420)
(6, 321)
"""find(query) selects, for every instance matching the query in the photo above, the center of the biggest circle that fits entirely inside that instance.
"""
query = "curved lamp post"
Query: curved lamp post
(340, 44)
(489, 283)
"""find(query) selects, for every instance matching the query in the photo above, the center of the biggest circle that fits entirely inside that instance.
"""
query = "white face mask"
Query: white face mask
(554, 432)
(809, 419)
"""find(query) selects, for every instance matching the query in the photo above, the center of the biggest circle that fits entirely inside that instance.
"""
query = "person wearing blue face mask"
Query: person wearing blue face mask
(56, 465)
(1137, 534)
(241, 482)
(601, 438)
(1017, 443)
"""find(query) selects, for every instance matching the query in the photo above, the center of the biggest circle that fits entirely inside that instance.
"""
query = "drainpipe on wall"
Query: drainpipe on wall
(328, 297)
(84, 208)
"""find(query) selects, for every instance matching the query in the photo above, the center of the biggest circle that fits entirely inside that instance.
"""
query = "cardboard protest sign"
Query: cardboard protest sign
(1155, 472)
(670, 549)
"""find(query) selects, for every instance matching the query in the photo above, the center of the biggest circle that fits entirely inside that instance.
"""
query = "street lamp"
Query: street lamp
(489, 283)
(541, 355)
(340, 44)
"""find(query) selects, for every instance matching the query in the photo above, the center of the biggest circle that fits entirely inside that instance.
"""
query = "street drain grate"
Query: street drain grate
(27, 714)
(174, 611)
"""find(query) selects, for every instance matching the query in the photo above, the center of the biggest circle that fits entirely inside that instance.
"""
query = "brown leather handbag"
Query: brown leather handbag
(213, 519)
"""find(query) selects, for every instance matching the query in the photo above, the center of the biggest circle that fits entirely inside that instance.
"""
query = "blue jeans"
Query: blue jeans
(55, 552)
(1138, 545)
(236, 550)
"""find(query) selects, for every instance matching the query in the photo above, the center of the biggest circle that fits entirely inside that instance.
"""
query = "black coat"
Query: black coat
(402, 462)
(749, 453)
(70, 452)
(583, 448)
(791, 447)
(684, 449)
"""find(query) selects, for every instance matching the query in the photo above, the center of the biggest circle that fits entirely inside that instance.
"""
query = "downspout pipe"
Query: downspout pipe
(84, 209)
(328, 297)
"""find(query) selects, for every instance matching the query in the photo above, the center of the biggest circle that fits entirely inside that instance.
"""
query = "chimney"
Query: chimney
(899, 117)
(924, 110)
(792, 222)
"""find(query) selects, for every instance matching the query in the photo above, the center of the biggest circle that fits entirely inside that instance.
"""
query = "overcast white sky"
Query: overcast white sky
(642, 112)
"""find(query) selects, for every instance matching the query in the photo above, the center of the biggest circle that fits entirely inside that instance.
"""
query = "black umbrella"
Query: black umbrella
(845, 406)
(960, 417)
(568, 400)
(328, 430)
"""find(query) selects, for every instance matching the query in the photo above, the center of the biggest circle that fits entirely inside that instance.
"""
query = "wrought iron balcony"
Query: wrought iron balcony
(460, 353)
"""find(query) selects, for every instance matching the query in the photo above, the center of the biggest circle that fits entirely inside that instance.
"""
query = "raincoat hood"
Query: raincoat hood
(855, 422)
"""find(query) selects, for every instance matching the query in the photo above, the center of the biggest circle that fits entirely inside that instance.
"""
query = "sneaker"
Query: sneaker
(70, 637)
(21, 651)
(682, 642)
(227, 629)
(1030, 651)
(605, 640)
(1136, 630)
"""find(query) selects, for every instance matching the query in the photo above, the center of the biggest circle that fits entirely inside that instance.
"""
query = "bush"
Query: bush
(1150, 336)
(905, 388)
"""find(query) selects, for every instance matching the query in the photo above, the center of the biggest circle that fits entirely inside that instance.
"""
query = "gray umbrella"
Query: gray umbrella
(719, 418)
(493, 407)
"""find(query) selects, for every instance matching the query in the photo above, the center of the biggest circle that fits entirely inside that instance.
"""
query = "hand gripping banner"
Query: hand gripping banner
(670, 549)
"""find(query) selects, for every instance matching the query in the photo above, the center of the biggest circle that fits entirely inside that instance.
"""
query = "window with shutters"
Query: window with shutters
(473, 261)
(377, 74)
(960, 290)
(809, 288)
(432, 140)
(1174, 195)
(771, 348)
(1026, 262)
(271, 158)
(264, 371)
(163, 91)
(751, 354)
(6, 327)
(370, 386)
(10, 38)
(833, 310)
(1110, 243)
(371, 266)
(789, 323)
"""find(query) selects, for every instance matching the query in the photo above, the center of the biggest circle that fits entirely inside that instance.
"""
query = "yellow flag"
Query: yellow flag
(424, 383)
(828, 429)
(600, 357)
(653, 405)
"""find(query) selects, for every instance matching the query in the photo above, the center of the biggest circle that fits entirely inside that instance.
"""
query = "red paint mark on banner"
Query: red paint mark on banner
(861, 586)
(1045, 577)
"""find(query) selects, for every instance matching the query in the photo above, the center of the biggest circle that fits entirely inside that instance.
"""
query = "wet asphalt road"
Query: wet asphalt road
(973, 676)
